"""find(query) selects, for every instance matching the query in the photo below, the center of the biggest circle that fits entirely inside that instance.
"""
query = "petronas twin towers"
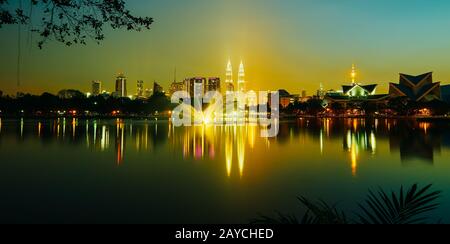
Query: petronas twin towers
(229, 78)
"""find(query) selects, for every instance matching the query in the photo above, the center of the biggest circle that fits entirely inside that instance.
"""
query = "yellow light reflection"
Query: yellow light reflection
(349, 139)
(353, 143)
(241, 149)
(252, 136)
(21, 128)
(74, 127)
(186, 143)
(354, 159)
(64, 128)
(425, 126)
(104, 141)
(228, 150)
(355, 124)
(146, 136)
(39, 129)
(58, 129)
(95, 133)
(373, 142)
(120, 141)
(321, 142)
(200, 142)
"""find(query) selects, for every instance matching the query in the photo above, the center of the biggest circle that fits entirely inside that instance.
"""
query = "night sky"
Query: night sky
(290, 44)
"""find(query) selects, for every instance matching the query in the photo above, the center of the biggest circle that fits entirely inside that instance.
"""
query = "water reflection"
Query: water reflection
(418, 140)
(120, 141)
(358, 139)
(232, 145)
(229, 149)
(213, 142)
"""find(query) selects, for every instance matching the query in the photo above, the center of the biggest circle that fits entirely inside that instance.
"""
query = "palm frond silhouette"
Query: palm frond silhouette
(404, 207)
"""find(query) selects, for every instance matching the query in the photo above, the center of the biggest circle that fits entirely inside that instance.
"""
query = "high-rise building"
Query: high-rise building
(157, 88)
(229, 78)
(121, 85)
(96, 87)
(195, 86)
(304, 94)
(214, 84)
(140, 89)
(321, 92)
(176, 87)
(241, 78)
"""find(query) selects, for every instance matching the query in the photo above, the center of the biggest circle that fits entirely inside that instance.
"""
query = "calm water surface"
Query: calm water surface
(124, 171)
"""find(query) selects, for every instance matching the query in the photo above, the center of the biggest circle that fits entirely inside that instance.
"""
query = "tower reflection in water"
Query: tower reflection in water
(208, 141)
(120, 141)
(232, 146)
(358, 139)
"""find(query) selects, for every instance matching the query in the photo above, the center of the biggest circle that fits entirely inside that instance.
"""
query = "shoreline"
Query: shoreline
(282, 118)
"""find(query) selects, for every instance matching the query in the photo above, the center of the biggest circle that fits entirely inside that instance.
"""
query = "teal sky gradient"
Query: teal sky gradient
(291, 44)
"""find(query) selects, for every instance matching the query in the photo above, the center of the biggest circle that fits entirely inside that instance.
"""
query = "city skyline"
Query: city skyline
(140, 86)
(225, 112)
(294, 47)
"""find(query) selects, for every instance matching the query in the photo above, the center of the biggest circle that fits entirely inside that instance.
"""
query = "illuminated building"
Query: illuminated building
(321, 92)
(176, 87)
(241, 78)
(356, 93)
(121, 85)
(359, 91)
(214, 84)
(140, 89)
(229, 78)
(196, 85)
(416, 88)
(202, 85)
(96, 87)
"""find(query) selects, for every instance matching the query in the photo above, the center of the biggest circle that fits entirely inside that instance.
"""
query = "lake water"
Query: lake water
(125, 171)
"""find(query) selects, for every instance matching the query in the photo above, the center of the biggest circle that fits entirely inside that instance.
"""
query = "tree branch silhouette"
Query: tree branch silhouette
(74, 21)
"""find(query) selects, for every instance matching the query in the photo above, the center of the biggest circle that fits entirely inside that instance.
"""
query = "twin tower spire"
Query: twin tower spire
(229, 78)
